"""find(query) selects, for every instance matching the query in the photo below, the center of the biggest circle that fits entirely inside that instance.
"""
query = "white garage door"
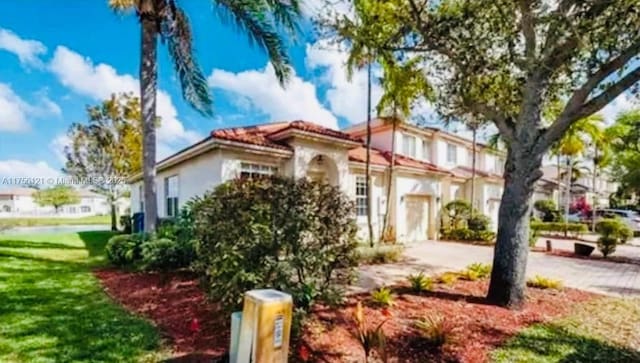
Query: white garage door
(416, 218)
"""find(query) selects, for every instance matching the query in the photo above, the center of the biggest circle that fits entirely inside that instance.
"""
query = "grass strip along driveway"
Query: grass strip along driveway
(52, 308)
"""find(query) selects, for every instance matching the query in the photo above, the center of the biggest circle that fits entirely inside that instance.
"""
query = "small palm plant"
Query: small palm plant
(371, 338)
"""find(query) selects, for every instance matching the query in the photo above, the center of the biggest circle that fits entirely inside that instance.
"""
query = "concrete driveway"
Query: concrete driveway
(616, 279)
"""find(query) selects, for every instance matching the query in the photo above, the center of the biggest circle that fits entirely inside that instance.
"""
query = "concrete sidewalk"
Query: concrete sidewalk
(610, 278)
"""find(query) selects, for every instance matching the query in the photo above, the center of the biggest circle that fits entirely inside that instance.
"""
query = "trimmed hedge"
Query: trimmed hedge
(576, 229)
(124, 249)
(468, 235)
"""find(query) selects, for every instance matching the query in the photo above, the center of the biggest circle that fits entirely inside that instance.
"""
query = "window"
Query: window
(72, 210)
(141, 199)
(426, 150)
(452, 153)
(171, 195)
(249, 170)
(409, 145)
(361, 196)
(85, 209)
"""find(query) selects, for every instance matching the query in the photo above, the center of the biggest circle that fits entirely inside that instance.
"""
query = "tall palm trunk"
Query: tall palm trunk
(387, 212)
(568, 200)
(558, 171)
(473, 170)
(148, 89)
(368, 162)
(595, 191)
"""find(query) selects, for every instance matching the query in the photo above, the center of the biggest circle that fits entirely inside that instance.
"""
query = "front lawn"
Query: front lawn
(55, 221)
(603, 330)
(52, 308)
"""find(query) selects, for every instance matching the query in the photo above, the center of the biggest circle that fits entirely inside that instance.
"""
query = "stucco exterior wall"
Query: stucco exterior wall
(414, 185)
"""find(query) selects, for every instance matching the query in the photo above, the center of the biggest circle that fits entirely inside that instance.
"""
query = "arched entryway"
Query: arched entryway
(323, 169)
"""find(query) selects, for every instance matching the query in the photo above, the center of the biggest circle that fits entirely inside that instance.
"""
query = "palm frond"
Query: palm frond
(256, 19)
(177, 32)
(122, 6)
(286, 14)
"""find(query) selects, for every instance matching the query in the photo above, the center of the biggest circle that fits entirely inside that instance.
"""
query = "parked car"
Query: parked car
(629, 217)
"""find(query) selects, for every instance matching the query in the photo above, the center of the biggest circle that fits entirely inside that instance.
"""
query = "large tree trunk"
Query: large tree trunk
(148, 88)
(368, 161)
(507, 287)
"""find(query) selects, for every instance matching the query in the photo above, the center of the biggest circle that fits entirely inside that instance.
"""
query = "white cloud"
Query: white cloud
(347, 98)
(99, 81)
(261, 89)
(24, 169)
(26, 50)
(57, 146)
(15, 111)
(622, 103)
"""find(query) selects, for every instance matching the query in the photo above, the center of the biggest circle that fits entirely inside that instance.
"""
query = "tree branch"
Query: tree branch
(528, 29)
(574, 113)
(506, 129)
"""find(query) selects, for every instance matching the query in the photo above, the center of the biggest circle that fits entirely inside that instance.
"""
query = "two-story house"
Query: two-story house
(431, 167)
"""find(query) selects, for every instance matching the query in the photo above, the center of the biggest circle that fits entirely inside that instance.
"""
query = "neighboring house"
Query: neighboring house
(580, 188)
(19, 202)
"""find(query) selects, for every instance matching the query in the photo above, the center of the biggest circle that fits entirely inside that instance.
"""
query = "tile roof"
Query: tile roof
(380, 157)
(263, 135)
(466, 172)
(18, 191)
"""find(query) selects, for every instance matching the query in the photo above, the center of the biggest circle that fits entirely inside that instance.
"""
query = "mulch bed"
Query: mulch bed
(173, 301)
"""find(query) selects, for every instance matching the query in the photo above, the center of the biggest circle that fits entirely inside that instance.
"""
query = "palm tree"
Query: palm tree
(403, 86)
(574, 143)
(262, 20)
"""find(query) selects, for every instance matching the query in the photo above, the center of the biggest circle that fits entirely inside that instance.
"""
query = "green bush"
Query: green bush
(479, 222)
(434, 329)
(478, 270)
(166, 254)
(575, 229)
(541, 282)
(548, 209)
(124, 249)
(295, 236)
(457, 213)
(420, 282)
(468, 235)
(612, 232)
(534, 233)
(382, 297)
(380, 254)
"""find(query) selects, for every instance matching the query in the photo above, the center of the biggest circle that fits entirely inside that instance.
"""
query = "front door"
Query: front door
(417, 218)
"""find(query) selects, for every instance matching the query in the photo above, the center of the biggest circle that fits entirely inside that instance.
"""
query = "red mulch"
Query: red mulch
(476, 327)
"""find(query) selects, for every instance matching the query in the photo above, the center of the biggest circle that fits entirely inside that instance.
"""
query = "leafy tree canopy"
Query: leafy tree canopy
(57, 196)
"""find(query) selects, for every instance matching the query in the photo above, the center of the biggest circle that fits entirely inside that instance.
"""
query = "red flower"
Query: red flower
(304, 353)
(387, 313)
(194, 326)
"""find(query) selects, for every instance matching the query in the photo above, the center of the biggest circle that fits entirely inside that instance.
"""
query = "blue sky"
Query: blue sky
(55, 60)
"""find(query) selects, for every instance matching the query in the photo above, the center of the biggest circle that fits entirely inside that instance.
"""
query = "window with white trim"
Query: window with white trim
(361, 196)
(426, 150)
(85, 209)
(409, 145)
(251, 170)
(452, 154)
(171, 195)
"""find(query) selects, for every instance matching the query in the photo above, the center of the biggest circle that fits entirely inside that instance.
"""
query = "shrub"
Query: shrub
(548, 209)
(124, 249)
(612, 231)
(534, 234)
(380, 254)
(370, 338)
(457, 213)
(477, 270)
(576, 229)
(478, 222)
(420, 282)
(468, 235)
(382, 297)
(166, 254)
(434, 329)
(541, 282)
(295, 236)
(448, 278)
(607, 245)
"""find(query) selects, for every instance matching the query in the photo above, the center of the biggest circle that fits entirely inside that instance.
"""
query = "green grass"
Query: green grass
(604, 330)
(52, 308)
(29, 222)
